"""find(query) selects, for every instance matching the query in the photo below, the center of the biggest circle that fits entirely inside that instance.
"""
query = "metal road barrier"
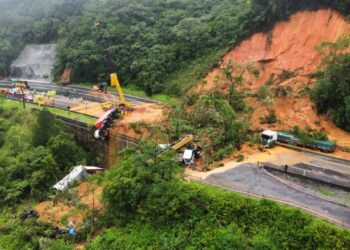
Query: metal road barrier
(247, 193)
(314, 153)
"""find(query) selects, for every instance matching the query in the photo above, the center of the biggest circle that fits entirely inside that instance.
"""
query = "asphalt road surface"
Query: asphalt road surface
(249, 178)
(78, 91)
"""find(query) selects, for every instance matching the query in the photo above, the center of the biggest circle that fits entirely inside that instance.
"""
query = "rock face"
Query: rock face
(35, 62)
(66, 76)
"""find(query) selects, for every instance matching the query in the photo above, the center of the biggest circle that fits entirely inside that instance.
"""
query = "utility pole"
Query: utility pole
(22, 94)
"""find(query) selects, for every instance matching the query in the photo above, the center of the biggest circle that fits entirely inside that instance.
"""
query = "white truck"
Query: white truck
(269, 138)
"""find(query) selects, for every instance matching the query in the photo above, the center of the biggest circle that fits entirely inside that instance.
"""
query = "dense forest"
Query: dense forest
(147, 205)
(332, 93)
(35, 152)
(158, 46)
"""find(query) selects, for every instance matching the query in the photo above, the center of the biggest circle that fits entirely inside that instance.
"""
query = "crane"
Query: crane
(122, 103)
(115, 83)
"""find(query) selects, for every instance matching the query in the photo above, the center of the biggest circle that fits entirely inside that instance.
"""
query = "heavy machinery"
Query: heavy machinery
(40, 100)
(271, 138)
(20, 84)
(101, 87)
(121, 103)
(115, 82)
(191, 153)
(176, 145)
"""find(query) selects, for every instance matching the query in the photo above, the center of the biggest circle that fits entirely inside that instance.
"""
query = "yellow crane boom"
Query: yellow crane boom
(182, 142)
(115, 82)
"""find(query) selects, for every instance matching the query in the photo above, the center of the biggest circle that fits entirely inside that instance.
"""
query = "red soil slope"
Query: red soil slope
(290, 46)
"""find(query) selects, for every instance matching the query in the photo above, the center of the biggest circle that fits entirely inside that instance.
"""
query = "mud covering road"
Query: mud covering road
(248, 178)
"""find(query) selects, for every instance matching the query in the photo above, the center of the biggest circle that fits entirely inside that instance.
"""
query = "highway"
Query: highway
(249, 179)
(79, 91)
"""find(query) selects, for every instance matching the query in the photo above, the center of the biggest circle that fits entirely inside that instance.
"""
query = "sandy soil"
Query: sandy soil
(92, 108)
(53, 213)
(147, 114)
(290, 46)
(277, 155)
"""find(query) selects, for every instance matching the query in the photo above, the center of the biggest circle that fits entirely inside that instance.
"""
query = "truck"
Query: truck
(105, 122)
(270, 138)
(122, 102)
(20, 84)
(191, 153)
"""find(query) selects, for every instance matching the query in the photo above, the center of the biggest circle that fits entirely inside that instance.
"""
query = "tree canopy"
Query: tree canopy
(158, 46)
(35, 152)
(149, 207)
(332, 93)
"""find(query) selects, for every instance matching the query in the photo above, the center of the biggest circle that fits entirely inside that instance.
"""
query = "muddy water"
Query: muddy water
(35, 62)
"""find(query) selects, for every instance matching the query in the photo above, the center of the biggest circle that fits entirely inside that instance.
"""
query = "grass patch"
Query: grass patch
(65, 113)
(326, 191)
(135, 91)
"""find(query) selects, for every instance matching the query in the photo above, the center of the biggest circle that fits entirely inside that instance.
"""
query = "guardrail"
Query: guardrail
(54, 107)
(315, 173)
(339, 223)
(319, 154)
(79, 91)
(69, 121)
(304, 190)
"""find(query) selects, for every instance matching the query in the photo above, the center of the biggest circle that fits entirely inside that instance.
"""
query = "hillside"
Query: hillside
(233, 69)
(156, 46)
(287, 58)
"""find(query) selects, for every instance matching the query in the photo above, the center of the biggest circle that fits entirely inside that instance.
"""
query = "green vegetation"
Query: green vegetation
(332, 93)
(158, 46)
(218, 120)
(147, 204)
(35, 152)
(265, 94)
(271, 118)
(309, 134)
(26, 234)
(161, 48)
(60, 112)
(150, 207)
(135, 91)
